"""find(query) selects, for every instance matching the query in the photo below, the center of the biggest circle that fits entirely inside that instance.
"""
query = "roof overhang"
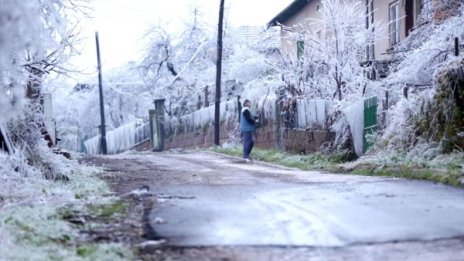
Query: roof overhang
(288, 12)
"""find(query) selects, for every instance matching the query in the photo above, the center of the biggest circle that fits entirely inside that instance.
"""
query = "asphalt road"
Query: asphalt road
(214, 201)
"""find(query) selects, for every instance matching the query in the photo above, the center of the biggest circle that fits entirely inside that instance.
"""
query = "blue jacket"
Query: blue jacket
(246, 125)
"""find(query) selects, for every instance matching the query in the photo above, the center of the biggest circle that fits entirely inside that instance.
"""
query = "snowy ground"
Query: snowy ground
(32, 223)
(212, 206)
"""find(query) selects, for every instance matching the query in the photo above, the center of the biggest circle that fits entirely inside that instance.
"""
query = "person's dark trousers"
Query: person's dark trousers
(247, 143)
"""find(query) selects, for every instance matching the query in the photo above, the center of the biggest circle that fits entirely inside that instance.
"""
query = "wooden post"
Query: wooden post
(104, 150)
(206, 97)
(199, 102)
(386, 100)
(239, 107)
(385, 109)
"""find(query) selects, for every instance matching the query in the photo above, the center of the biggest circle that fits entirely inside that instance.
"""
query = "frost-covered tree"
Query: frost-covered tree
(21, 32)
(422, 109)
(254, 61)
(34, 40)
(157, 64)
(178, 68)
(332, 49)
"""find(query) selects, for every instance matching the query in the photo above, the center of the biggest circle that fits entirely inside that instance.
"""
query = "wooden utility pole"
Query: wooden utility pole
(217, 102)
(102, 106)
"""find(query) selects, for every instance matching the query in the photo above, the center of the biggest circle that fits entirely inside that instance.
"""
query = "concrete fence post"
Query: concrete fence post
(153, 130)
(158, 125)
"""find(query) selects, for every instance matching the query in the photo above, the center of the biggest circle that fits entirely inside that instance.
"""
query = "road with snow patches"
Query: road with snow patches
(258, 211)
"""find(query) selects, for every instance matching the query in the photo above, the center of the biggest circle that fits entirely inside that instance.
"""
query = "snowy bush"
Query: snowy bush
(34, 40)
(248, 64)
(417, 74)
(20, 31)
(330, 63)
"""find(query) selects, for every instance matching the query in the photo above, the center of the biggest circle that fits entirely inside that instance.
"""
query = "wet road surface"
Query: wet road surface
(205, 199)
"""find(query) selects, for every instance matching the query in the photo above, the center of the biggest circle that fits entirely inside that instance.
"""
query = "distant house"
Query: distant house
(400, 16)
(257, 37)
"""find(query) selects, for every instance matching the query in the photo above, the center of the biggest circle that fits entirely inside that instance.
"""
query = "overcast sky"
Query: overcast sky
(122, 23)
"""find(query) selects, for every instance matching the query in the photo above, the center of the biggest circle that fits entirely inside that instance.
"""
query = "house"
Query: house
(398, 16)
(256, 37)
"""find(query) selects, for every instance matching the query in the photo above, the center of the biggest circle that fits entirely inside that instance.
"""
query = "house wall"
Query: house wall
(381, 15)
(299, 23)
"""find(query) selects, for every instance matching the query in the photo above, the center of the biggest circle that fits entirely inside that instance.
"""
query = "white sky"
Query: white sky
(122, 23)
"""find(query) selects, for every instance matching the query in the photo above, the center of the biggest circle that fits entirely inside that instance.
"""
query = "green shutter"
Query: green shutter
(370, 119)
(299, 49)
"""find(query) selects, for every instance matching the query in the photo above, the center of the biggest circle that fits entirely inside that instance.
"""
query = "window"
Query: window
(319, 35)
(299, 49)
(370, 54)
(394, 22)
(369, 13)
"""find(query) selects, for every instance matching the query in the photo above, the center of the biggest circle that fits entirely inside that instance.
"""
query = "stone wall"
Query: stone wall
(304, 141)
(267, 137)
(200, 138)
(197, 131)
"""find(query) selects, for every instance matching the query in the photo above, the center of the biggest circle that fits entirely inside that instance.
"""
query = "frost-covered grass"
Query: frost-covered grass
(447, 169)
(305, 162)
(32, 226)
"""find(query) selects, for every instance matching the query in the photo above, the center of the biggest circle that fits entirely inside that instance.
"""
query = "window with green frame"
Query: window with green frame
(299, 49)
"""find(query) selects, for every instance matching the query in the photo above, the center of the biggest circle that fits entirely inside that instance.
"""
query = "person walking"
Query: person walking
(248, 122)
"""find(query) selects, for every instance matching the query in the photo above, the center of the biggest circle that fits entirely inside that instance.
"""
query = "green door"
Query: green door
(370, 120)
